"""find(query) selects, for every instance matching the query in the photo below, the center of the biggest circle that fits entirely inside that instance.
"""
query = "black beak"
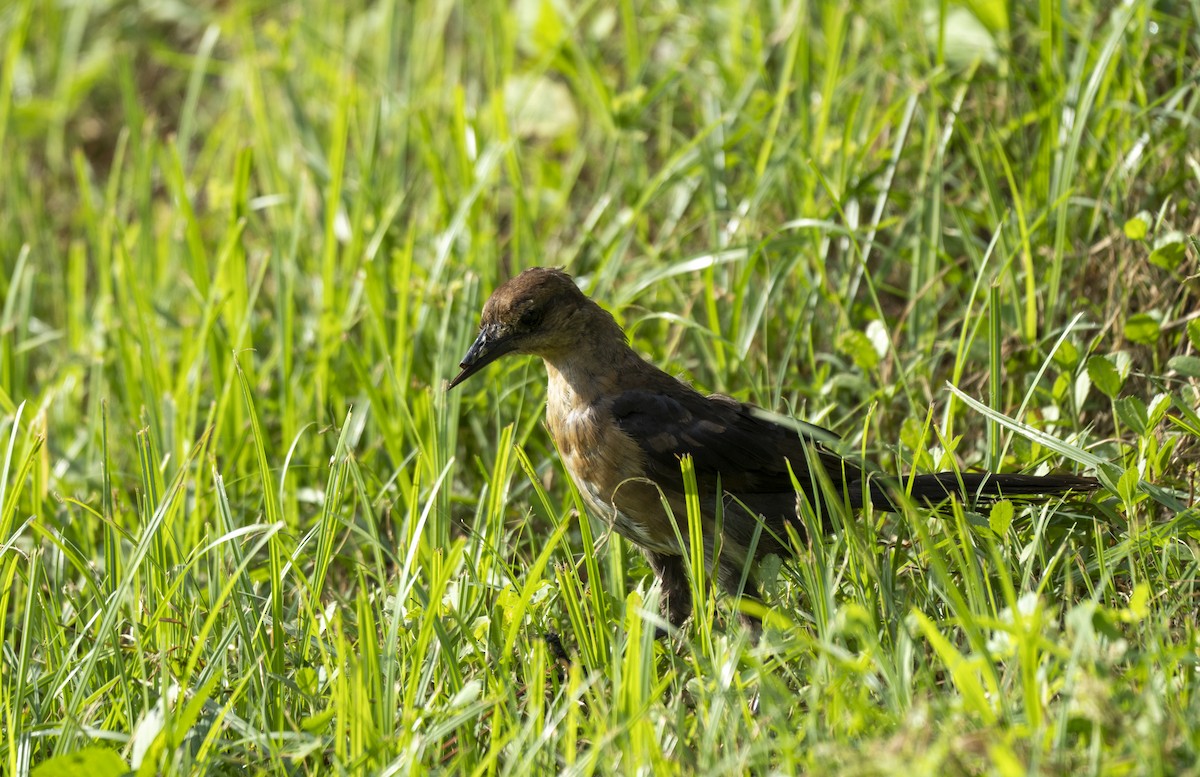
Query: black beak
(489, 346)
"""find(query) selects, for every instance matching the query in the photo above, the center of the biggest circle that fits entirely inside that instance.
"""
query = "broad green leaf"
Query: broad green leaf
(1083, 385)
(1000, 518)
(1127, 485)
(858, 347)
(912, 434)
(1132, 412)
(1138, 227)
(1142, 328)
(1139, 603)
(1104, 376)
(92, 761)
(1169, 250)
(1185, 365)
(1066, 355)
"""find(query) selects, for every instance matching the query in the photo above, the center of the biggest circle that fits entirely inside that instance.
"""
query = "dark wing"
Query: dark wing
(738, 442)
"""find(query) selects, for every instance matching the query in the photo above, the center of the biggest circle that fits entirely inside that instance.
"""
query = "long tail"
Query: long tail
(984, 487)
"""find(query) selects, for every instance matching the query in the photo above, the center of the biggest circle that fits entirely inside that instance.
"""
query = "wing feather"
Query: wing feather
(730, 440)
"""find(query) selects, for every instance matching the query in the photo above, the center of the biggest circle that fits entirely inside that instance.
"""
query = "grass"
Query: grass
(243, 528)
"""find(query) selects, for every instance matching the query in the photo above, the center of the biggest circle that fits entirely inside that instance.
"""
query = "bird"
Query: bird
(622, 426)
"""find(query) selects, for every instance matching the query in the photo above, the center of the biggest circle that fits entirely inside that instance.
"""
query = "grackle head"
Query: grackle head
(533, 313)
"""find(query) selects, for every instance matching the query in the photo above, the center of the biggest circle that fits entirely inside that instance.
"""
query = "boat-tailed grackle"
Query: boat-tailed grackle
(622, 425)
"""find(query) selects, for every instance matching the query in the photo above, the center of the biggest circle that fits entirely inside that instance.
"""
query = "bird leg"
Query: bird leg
(676, 592)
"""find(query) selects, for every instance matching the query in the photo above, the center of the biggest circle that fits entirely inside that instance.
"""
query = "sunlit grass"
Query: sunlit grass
(243, 528)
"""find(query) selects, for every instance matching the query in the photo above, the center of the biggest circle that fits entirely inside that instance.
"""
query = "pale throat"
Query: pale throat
(591, 369)
(574, 383)
(587, 366)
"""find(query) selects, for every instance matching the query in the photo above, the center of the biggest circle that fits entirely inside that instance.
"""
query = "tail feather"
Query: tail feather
(984, 487)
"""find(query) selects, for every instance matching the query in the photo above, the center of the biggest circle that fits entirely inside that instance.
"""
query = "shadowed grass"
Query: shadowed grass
(243, 528)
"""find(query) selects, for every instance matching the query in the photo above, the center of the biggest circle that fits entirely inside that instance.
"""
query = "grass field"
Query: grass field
(243, 528)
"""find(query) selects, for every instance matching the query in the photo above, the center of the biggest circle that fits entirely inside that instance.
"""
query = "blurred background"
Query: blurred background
(243, 246)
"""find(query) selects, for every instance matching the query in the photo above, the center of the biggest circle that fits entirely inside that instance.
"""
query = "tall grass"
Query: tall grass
(243, 528)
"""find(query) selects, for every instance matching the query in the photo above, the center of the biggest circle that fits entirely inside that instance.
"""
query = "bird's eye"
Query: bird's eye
(531, 318)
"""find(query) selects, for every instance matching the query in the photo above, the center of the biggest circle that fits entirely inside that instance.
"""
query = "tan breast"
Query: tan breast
(607, 467)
